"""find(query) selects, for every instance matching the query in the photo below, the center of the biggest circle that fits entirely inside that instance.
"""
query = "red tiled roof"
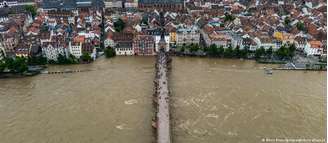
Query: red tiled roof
(79, 39)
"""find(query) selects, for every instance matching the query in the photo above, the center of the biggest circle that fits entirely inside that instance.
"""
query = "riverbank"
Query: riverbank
(204, 55)
(31, 71)
(284, 64)
(17, 75)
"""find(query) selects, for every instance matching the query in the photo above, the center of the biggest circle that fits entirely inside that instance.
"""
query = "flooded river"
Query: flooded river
(110, 104)
(228, 101)
(232, 101)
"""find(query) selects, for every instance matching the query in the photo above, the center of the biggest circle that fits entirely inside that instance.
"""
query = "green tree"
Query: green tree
(244, 52)
(31, 9)
(21, 64)
(228, 17)
(63, 60)
(86, 57)
(2, 65)
(72, 59)
(300, 26)
(269, 52)
(228, 52)
(287, 21)
(194, 48)
(282, 52)
(9, 62)
(220, 51)
(237, 52)
(17, 64)
(291, 50)
(119, 25)
(182, 49)
(259, 53)
(110, 52)
(212, 50)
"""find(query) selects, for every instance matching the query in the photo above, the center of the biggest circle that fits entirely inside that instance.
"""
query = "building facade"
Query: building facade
(51, 50)
(144, 45)
(314, 48)
(187, 35)
(162, 5)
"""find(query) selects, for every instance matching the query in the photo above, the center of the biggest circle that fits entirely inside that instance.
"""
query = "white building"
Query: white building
(266, 42)
(124, 51)
(300, 43)
(187, 35)
(12, 3)
(217, 38)
(248, 42)
(109, 42)
(131, 4)
(314, 48)
(51, 50)
(75, 49)
(113, 3)
(9, 44)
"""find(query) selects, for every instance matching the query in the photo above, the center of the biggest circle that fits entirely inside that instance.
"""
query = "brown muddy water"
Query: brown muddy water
(213, 100)
(233, 101)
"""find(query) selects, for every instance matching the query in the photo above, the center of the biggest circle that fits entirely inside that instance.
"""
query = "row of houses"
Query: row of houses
(51, 34)
(214, 31)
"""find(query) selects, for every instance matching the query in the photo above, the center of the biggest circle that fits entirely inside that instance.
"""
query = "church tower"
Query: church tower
(162, 45)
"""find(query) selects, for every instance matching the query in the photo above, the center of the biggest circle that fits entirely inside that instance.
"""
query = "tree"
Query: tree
(17, 64)
(86, 57)
(228, 52)
(213, 50)
(144, 20)
(62, 59)
(72, 59)
(222, 25)
(2, 65)
(269, 52)
(109, 52)
(182, 49)
(286, 51)
(31, 9)
(300, 26)
(220, 51)
(20, 64)
(194, 48)
(9, 62)
(282, 52)
(236, 52)
(259, 53)
(228, 17)
(244, 52)
(119, 25)
(287, 21)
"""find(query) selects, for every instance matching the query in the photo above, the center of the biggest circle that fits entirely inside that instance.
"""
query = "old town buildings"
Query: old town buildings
(72, 27)
(144, 45)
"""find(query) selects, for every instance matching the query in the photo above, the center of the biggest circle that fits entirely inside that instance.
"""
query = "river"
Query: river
(112, 103)
(213, 100)
(233, 101)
